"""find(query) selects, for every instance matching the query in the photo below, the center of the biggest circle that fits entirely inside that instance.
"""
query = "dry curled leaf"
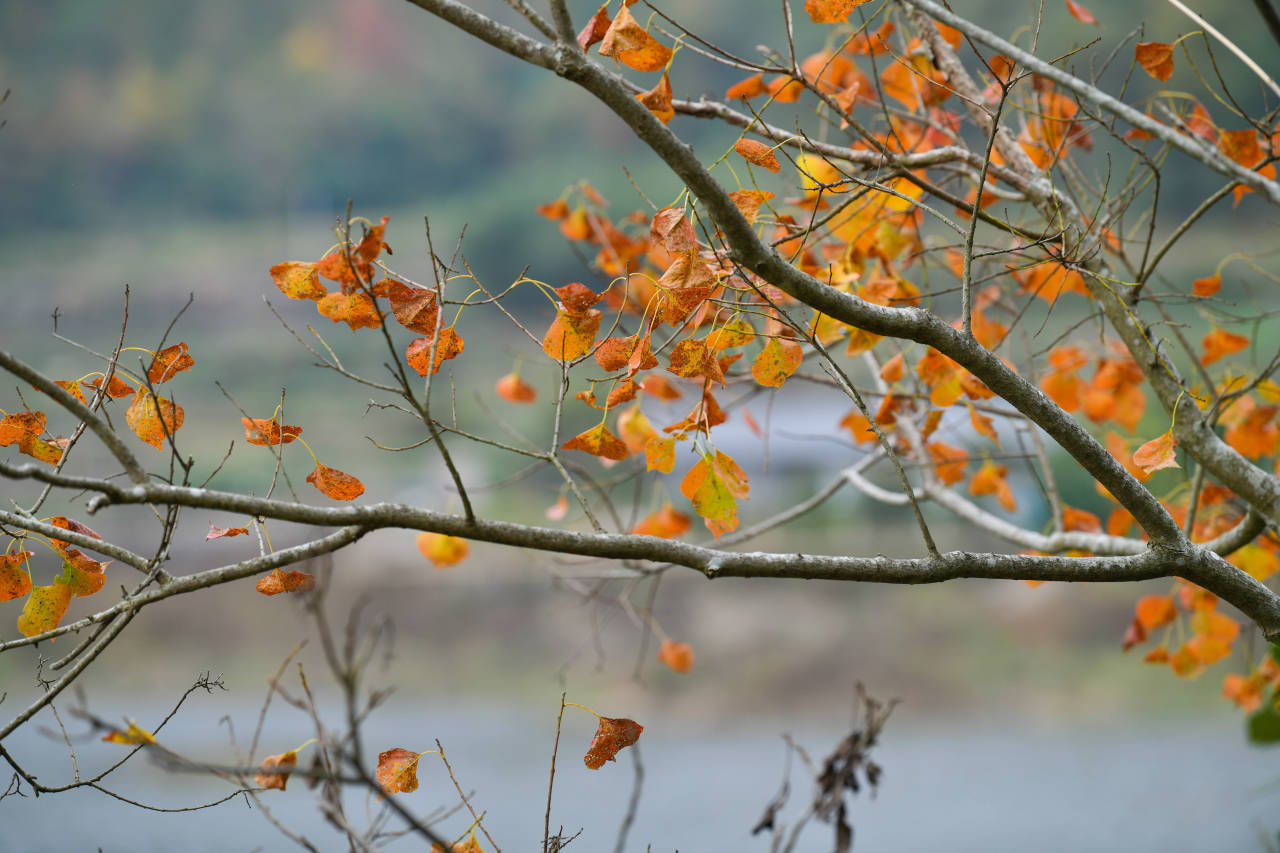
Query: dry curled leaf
(1156, 58)
(274, 770)
(611, 736)
(267, 432)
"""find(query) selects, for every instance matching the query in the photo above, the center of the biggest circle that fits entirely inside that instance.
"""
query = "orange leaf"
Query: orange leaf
(1240, 146)
(758, 154)
(656, 385)
(298, 280)
(830, 11)
(1220, 343)
(749, 201)
(117, 387)
(134, 735)
(335, 484)
(266, 432)
(398, 770)
(513, 389)
(80, 574)
(1155, 611)
(418, 354)
(714, 485)
(658, 100)
(415, 307)
(611, 736)
(1157, 453)
(16, 426)
(1082, 14)
(356, 309)
(634, 429)
(150, 417)
(443, 550)
(1256, 561)
(274, 770)
(44, 609)
(224, 532)
(678, 656)
(746, 89)
(1207, 286)
(660, 454)
(859, 427)
(571, 335)
(280, 581)
(666, 523)
(673, 230)
(990, 480)
(630, 44)
(1185, 664)
(776, 362)
(595, 29)
(15, 581)
(169, 362)
(1156, 58)
(598, 441)
(982, 424)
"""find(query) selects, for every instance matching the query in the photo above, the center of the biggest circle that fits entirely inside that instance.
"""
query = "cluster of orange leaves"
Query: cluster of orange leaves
(46, 605)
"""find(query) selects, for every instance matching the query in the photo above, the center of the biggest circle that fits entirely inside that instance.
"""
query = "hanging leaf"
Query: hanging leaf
(598, 441)
(758, 154)
(298, 280)
(268, 432)
(1082, 14)
(658, 100)
(274, 770)
(1157, 453)
(150, 417)
(631, 44)
(334, 483)
(398, 770)
(1155, 611)
(280, 581)
(169, 362)
(831, 11)
(116, 388)
(595, 29)
(224, 532)
(134, 735)
(572, 335)
(443, 550)
(15, 581)
(678, 656)
(660, 454)
(611, 736)
(746, 89)
(82, 575)
(779, 359)
(1220, 343)
(418, 353)
(414, 307)
(44, 609)
(513, 389)
(714, 485)
(356, 309)
(990, 480)
(1207, 286)
(666, 523)
(1156, 58)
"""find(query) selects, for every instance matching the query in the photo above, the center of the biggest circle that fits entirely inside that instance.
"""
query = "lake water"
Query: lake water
(975, 786)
